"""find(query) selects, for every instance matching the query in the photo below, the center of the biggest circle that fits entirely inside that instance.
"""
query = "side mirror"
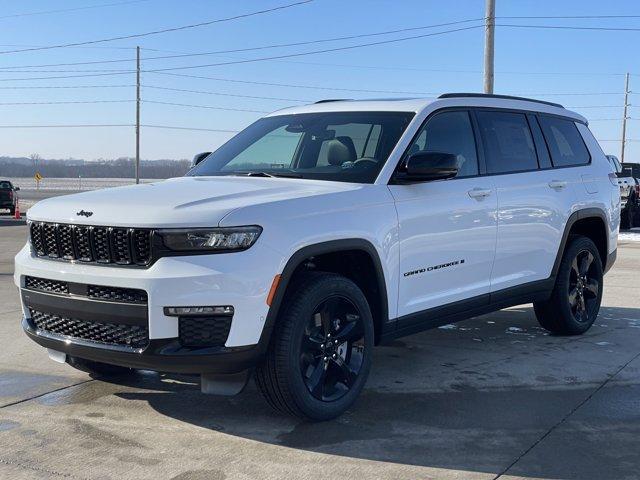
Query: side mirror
(426, 166)
(17, 188)
(198, 158)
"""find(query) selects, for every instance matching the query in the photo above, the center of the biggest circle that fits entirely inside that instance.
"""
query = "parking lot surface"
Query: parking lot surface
(495, 396)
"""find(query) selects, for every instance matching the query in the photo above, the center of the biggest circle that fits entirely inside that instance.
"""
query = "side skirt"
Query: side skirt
(465, 309)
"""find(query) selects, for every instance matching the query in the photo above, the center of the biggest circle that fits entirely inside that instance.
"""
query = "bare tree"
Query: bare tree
(35, 158)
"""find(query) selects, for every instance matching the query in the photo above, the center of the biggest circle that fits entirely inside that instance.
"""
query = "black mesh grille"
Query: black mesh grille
(101, 244)
(108, 245)
(65, 238)
(142, 246)
(116, 294)
(83, 244)
(103, 333)
(35, 230)
(120, 246)
(52, 286)
(204, 331)
(50, 241)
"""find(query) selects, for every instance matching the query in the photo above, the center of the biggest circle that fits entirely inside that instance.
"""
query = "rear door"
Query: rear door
(534, 200)
(447, 229)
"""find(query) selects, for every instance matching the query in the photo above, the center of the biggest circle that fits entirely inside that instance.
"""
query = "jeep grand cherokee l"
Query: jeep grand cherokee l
(323, 230)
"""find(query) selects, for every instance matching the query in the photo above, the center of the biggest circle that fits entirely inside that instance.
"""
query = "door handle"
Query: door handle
(479, 192)
(557, 184)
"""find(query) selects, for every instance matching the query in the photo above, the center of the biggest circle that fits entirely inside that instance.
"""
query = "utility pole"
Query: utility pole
(137, 114)
(490, 27)
(624, 116)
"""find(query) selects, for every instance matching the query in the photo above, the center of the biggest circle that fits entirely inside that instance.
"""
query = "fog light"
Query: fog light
(197, 311)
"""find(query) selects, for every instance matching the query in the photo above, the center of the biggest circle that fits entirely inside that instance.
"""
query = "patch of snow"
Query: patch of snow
(450, 326)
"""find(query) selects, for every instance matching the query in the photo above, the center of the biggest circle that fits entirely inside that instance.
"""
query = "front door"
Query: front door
(447, 227)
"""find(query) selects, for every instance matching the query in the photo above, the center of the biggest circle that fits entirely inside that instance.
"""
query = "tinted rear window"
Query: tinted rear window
(5, 185)
(565, 142)
(508, 143)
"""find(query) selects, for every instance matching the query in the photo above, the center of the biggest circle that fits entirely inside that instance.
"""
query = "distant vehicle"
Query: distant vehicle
(8, 196)
(320, 231)
(629, 180)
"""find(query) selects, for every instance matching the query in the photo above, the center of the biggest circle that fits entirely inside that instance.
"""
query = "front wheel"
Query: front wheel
(320, 354)
(576, 297)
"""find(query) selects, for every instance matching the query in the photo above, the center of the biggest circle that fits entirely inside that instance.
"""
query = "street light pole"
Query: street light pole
(490, 26)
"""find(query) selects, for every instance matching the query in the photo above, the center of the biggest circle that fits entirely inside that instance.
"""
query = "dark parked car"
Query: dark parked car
(8, 196)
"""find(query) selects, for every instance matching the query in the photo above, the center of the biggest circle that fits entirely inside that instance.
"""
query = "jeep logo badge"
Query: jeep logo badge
(82, 213)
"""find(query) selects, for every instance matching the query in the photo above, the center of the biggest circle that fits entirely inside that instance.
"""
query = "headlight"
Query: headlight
(210, 239)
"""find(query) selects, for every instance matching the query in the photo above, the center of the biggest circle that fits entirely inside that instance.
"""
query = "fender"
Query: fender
(573, 218)
(319, 249)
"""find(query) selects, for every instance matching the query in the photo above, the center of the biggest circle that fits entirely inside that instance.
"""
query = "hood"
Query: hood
(178, 202)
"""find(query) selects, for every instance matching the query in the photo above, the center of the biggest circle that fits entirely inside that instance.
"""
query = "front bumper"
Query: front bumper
(166, 355)
(241, 280)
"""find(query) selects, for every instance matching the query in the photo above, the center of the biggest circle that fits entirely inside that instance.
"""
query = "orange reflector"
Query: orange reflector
(273, 289)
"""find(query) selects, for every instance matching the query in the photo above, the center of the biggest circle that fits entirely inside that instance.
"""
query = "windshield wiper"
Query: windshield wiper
(265, 174)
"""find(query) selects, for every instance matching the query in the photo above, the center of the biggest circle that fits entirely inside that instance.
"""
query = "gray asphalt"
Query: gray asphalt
(492, 397)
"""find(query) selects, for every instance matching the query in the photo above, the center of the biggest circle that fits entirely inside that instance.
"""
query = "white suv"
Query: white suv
(321, 231)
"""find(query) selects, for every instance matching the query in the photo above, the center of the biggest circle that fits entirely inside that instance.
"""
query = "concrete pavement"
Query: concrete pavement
(490, 397)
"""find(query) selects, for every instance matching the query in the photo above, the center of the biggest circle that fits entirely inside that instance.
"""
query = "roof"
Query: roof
(417, 105)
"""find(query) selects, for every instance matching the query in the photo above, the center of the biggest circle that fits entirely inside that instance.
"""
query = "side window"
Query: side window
(565, 142)
(450, 132)
(507, 141)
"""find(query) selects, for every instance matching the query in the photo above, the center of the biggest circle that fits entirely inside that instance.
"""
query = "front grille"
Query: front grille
(204, 331)
(94, 292)
(103, 245)
(116, 294)
(104, 333)
(44, 285)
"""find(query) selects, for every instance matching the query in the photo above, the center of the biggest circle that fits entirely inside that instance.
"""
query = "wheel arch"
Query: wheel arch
(376, 291)
(591, 223)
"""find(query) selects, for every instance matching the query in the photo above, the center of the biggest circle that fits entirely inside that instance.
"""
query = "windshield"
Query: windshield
(338, 146)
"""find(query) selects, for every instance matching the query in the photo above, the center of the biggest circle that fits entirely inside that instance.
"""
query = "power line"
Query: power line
(166, 30)
(204, 106)
(46, 87)
(70, 126)
(205, 92)
(532, 17)
(315, 52)
(249, 49)
(66, 102)
(571, 27)
(291, 85)
(66, 76)
(63, 10)
(173, 127)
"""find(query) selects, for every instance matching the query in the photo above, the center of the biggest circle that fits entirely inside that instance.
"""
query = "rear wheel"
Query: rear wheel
(320, 353)
(97, 368)
(576, 297)
(12, 211)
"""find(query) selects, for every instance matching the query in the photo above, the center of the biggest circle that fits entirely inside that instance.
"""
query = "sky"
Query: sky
(581, 69)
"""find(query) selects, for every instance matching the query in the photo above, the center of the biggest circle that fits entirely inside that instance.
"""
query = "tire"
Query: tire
(12, 211)
(97, 368)
(575, 301)
(306, 373)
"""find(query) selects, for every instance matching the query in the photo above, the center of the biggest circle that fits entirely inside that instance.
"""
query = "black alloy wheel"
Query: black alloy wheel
(584, 286)
(332, 350)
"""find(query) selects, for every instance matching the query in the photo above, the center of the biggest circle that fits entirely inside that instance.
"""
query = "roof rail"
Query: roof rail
(490, 95)
(333, 100)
